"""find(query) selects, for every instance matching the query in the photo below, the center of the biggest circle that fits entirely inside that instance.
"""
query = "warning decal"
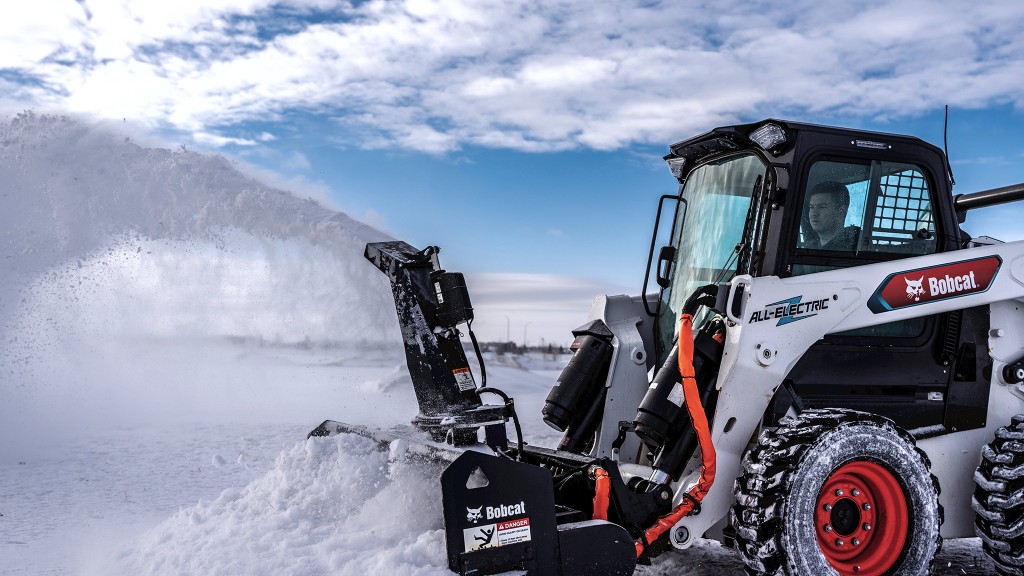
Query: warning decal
(494, 535)
(464, 378)
(924, 285)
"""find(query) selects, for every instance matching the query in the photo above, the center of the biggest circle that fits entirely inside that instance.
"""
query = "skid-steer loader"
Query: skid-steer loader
(827, 378)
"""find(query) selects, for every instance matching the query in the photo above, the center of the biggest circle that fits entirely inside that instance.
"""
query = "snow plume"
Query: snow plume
(330, 506)
(110, 250)
(83, 208)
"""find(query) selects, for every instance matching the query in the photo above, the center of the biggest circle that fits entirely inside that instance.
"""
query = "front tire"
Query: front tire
(836, 492)
(999, 499)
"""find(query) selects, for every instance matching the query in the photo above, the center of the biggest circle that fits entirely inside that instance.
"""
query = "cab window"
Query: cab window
(860, 212)
(876, 207)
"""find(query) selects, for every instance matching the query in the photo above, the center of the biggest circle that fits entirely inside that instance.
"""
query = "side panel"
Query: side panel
(930, 384)
(955, 456)
(627, 382)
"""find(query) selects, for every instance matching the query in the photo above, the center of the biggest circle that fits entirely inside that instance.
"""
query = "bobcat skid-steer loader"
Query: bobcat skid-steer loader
(827, 380)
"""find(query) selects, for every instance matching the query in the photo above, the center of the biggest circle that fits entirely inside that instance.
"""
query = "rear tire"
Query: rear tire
(999, 499)
(836, 492)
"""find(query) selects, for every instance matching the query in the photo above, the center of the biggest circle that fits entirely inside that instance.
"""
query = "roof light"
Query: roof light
(676, 165)
(769, 136)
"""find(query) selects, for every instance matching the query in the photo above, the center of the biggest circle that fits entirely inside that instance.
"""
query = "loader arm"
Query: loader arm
(773, 321)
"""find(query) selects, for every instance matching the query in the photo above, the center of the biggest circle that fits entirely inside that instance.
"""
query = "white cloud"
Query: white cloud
(435, 76)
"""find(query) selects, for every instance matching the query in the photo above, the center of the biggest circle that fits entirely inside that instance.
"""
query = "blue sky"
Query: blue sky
(523, 137)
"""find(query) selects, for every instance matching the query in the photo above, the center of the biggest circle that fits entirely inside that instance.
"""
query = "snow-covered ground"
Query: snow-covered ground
(171, 330)
(226, 483)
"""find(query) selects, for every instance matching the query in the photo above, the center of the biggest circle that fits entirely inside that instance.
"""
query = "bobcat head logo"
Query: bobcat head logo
(914, 289)
(473, 514)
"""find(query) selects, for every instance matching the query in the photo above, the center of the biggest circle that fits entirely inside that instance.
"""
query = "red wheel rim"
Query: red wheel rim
(861, 519)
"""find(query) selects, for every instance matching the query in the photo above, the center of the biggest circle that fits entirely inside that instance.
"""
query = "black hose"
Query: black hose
(479, 355)
(703, 296)
(511, 405)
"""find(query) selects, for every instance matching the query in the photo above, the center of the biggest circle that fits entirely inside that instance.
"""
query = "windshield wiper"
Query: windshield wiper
(741, 253)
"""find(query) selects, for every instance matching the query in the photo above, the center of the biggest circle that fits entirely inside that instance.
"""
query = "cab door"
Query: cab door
(923, 373)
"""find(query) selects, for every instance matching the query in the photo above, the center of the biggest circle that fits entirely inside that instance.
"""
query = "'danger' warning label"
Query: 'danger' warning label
(500, 534)
(464, 378)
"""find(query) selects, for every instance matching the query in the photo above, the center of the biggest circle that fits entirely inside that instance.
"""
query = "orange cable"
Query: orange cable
(700, 423)
(602, 490)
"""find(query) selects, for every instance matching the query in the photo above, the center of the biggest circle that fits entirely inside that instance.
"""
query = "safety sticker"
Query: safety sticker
(494, 535)
(924, 285)
(464, 378)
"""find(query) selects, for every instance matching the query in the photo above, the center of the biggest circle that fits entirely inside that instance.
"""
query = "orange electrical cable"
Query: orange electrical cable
(602, 490)
(700, 423)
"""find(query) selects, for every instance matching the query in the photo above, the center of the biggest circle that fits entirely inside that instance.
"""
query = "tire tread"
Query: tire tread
(769, 466)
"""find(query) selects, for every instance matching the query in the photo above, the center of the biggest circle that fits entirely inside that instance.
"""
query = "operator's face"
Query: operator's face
(825, 214)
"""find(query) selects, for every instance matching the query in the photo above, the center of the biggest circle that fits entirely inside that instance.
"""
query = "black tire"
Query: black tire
(999, 499)
(835, 492)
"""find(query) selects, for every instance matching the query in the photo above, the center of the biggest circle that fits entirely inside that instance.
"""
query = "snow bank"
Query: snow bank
(330, 506)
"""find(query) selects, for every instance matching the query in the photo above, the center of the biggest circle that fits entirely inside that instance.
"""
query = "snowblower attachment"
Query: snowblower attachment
(431, 303)
(524, 508)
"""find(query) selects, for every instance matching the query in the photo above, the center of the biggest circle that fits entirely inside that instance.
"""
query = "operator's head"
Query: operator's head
(828, 203)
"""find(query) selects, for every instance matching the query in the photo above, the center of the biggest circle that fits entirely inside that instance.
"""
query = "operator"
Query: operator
(828, 203)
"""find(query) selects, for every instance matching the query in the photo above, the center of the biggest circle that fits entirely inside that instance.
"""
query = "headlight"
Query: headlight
(676, 165)
(769, 136)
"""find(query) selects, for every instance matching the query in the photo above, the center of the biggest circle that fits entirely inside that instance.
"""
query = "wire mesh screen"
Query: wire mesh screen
(903, 213)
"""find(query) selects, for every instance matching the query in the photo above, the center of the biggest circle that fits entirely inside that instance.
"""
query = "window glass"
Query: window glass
(867, 207)
(709, 233)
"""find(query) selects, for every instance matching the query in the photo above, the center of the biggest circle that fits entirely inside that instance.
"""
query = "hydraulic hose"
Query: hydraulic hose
(700, 424)
(705, 295)
(511, 406)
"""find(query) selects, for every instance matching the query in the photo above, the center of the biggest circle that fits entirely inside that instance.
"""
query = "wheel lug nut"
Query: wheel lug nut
(828, 527)
(867, 506)
(855, 492)
(839, 542)
(828, 507)
(867, 526)
(839, 492)
(855, 542)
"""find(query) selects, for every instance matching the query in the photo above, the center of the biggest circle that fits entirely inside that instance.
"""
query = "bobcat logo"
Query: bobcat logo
(474, 514)
(914, 289)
